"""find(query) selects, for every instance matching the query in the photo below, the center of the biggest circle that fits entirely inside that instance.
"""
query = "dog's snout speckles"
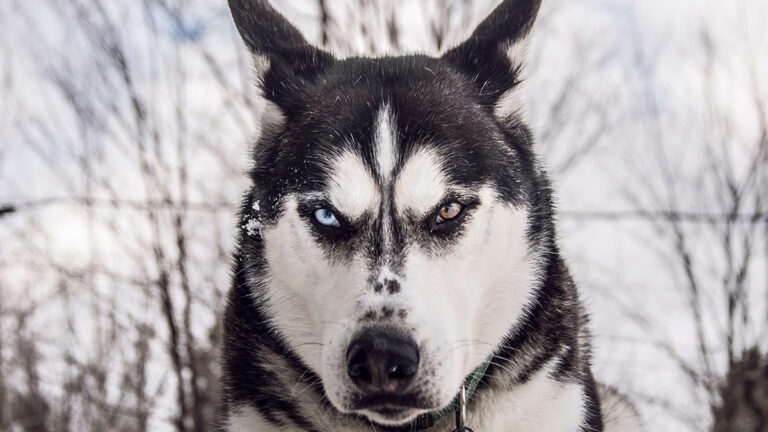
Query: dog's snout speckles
(378, 287)
(392, 286)
(386, 312)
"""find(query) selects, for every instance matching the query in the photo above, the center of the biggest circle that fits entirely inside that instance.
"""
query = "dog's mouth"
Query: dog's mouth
(390, 409)
(393, 415)
(410, 401)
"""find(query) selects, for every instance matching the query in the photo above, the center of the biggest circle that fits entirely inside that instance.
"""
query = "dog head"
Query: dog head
(390, 230)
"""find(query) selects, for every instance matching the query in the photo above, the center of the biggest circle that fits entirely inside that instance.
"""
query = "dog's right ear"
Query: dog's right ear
(493, 56)
(283, 59)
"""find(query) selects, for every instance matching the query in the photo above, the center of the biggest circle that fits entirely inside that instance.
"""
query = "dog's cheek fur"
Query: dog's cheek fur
(465, 301)
(310, 305)
(245, 419)
(317, 308)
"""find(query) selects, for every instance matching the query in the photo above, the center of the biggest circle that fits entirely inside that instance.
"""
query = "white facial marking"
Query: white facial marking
(386, 274)
(421, 184)
(352, 189)
(386, 153)
(386, 157)
(487, 278)
(306, 290)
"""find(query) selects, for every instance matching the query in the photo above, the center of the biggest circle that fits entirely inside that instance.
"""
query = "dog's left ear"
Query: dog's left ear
(493, 56)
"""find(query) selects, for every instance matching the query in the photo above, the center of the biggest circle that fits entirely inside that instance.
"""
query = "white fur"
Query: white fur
(386, 157)
(464, 301)
(306, 303)
(385, 136)
(421, 184)
(246, 419)
(517, 51)
(260, 65)
(271, 116)
(268, 115)
(352, 189)
(512, 101)
(540, 404)
(618, 414)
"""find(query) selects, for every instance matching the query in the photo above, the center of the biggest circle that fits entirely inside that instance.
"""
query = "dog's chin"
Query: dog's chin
(394, 411)
(385, 413)
(392, 416)
(389, 411)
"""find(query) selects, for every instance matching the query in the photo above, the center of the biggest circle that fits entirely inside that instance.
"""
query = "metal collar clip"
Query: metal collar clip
(461, 413)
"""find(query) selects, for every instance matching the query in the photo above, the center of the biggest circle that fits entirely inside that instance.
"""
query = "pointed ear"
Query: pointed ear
(493, 56)
(280, 52)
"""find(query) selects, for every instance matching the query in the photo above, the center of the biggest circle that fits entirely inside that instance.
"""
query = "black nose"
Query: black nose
(382, 361)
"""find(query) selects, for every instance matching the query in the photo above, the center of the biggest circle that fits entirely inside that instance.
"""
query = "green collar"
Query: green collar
(426, 421)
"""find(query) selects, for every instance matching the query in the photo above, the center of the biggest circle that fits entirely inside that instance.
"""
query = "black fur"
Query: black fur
(446, 102)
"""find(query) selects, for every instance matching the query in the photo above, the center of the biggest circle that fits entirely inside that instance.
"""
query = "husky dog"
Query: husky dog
(398, 247)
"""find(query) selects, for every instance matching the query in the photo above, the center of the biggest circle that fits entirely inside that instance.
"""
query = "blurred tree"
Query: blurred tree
(743, 394)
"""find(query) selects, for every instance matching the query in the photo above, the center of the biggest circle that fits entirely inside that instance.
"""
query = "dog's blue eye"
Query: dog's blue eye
(326, 217)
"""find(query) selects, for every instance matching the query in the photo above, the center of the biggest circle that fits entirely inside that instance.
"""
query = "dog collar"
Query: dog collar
(427, 420)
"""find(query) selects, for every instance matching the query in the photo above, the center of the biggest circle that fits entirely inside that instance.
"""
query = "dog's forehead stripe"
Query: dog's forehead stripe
(421, 183)
(385, 136)
(352, 188)
(386, 156)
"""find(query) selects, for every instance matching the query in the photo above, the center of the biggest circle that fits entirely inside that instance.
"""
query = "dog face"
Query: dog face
(390, 227)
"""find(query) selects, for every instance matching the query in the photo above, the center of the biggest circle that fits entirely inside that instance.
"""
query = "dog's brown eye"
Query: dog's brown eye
(448, 212)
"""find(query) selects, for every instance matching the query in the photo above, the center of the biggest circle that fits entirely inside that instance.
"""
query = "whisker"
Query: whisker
(309, 343)
(309, 385)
